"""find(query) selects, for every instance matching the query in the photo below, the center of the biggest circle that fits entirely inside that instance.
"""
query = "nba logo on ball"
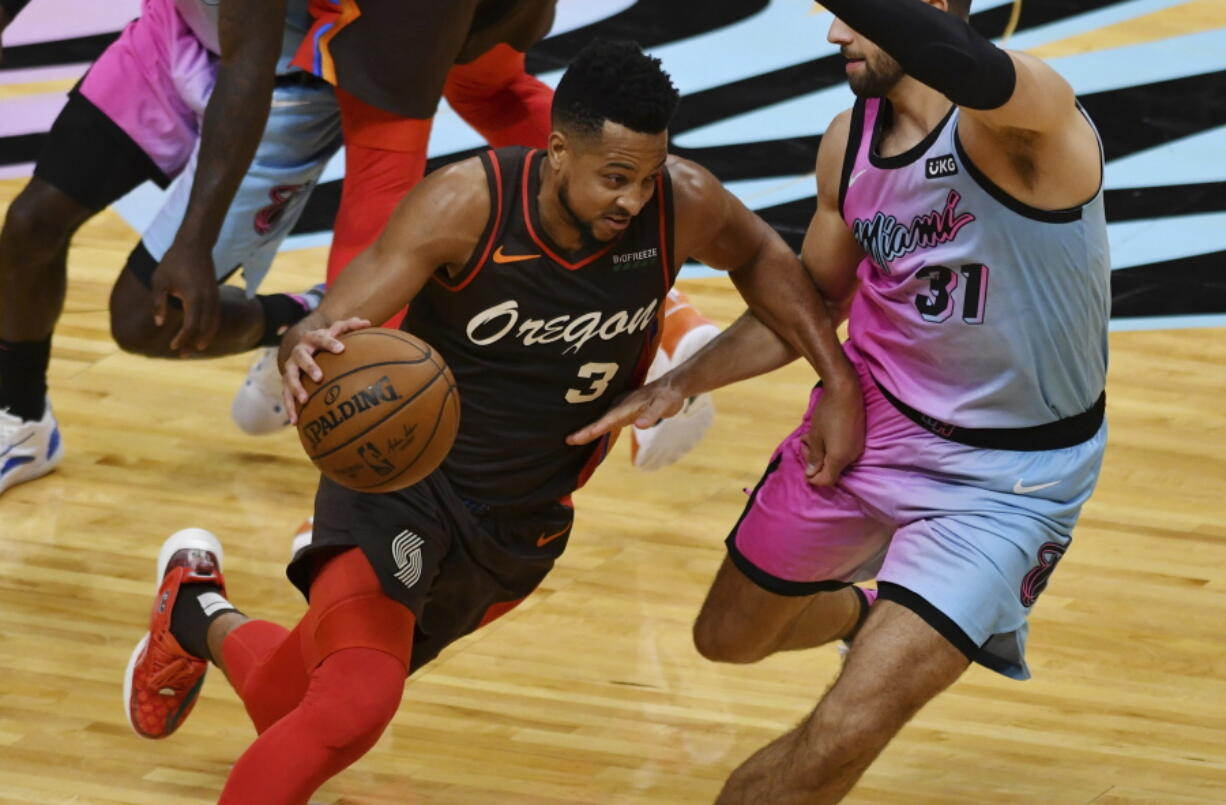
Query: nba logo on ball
(385, 413)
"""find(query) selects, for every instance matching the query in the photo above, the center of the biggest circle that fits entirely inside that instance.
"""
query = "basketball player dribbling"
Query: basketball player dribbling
(391, 62)
(597, 225)
(960, 217)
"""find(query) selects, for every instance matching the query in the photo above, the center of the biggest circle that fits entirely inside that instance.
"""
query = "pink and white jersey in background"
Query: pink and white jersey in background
(973, 307)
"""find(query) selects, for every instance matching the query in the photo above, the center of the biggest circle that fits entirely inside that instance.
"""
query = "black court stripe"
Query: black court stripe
(61, 51)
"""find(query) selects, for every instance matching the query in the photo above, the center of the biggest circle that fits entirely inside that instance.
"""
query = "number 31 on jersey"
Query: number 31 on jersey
(938, 304)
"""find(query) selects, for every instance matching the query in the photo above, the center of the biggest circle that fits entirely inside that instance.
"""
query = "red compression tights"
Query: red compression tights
(321, 695)
(385, 155)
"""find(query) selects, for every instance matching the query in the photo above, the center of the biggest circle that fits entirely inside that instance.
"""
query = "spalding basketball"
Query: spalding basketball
(385, 413)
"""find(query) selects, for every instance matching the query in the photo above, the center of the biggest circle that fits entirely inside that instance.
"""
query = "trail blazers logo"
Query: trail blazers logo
(406, 552)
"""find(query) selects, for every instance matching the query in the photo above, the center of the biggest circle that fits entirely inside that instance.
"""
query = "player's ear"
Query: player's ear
(558, 149)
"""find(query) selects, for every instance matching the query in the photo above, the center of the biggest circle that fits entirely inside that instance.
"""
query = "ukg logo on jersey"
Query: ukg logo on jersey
(497, 322)
(886, 239)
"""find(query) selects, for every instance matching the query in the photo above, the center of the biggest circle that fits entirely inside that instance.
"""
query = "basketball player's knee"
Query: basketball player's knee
(133, 329)
(354, 695)
(718, 640)
(33, 226)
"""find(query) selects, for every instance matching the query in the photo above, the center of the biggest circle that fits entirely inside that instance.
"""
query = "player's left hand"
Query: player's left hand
(836, 432)
(643, 407)
(188, 275)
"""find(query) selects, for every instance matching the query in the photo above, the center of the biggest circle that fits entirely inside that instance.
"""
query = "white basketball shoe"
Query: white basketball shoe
(28, 450)
(257, 408)
(685, 332)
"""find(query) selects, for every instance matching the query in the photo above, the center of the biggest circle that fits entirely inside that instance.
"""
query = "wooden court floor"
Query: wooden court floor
(591, 692)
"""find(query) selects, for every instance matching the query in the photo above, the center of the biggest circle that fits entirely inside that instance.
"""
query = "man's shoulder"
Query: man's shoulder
(692, 183)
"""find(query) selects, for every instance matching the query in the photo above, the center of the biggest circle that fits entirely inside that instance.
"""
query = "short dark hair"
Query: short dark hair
(618, 82)
(960, 7)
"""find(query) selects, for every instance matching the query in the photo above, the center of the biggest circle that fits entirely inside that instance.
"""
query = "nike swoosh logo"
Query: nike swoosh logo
(12, 447)
(543, 540)
(499, 257)
(1020, 489)
(857, 176)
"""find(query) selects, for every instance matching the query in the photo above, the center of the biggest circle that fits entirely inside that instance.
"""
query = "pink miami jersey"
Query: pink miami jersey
(973, 307)
(154, 80)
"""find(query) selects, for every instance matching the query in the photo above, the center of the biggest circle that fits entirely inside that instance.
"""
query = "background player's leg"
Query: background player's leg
(385, 155)
(87, 163)
(742, 623)
(33, 278)
(897, 664)
(302, 134)
(246, 322)
(496, 96)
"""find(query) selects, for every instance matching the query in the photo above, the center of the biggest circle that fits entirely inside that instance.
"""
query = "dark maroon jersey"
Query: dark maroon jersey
(542, 341)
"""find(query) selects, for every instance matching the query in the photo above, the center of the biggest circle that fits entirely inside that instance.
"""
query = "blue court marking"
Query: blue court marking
(1188, 160)
(1136, 243)
(1084, 23)
(1145, 63)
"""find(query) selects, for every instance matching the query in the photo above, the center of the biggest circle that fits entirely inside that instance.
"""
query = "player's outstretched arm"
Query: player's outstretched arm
(234, 119)
(436, 227)
(1005, 88)
(745, 349)
(713, 226)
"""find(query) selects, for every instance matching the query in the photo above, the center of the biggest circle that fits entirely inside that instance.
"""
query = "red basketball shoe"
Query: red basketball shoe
(162, 680)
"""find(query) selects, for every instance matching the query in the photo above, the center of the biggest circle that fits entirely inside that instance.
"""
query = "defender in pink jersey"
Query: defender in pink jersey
(960, 221)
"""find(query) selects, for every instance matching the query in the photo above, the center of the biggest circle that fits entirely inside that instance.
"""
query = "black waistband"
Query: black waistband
(299, 78)
(1052, 436)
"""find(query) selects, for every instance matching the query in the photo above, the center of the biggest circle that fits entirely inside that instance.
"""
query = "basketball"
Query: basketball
(385, 413)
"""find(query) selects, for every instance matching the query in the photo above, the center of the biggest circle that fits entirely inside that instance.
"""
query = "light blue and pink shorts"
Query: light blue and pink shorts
(136, 116)
(965, 535)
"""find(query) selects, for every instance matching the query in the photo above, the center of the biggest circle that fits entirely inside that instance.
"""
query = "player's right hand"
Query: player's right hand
(187, 274)
(301, 361)
(643, 407)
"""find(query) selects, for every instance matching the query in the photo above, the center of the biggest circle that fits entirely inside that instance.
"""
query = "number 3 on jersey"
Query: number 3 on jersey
(600, 375)
(938, 304)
